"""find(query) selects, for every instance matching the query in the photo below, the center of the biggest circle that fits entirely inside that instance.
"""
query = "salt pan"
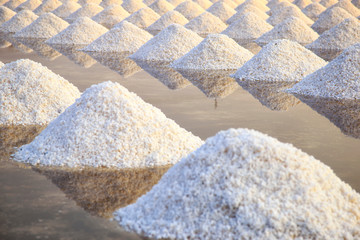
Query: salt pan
(133, 5)
(88, 10)
(167, 19)
(111, 16)
(6, 14)
(18, 22)
(47, 6)
(330, 18)
(161, 7)
(314, 10)
(28, 5)
(143, 18)
(221, 10)
(206, 23)
(66, 9)
(189, 9)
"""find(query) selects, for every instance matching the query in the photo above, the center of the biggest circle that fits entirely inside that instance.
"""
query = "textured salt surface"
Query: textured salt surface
(221, 10)
(133, 5)
(231, 3)
(89, 10)
(84, 2)
(328, 3)
(329, 19)
(168, 45)
(246, 10)
(32, 94)
(279, 7)
(349, 7)
(66, 9)
(255, 3)
(47, 6)
(82, 31)
(167, 19)
(206, 23)
(205, 4)
(302, 3)
(108, 3)
(268, 64)
(111, 16)
(356, 3)
(175, 2)
(161, 7)
(217, 51)
(28, 5)
(18, 22)
(314, 10)
(189, 9)
(242, 184)
(143, 18)
(110, 127)
(12, 4)
(291, 11)
(339, 79)
(6, 14)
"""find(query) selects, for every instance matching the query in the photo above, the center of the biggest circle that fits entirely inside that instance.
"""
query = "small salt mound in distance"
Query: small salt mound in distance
(110, 127)
(108, 3)
(161, 7)
(125, 37)
(328, 3)
(167, 19)
(133, 5)
(230, 3)
(28, 5)
(302, 3)
(255, 3)
(340, 79)
(175, 2)
(205, 4)
(143, 18)
(247, 9)
(221, 10)
(82, 31)
(47, 6)
(314, 10)
(291, 11)
(32, 94)
(242, 184)
(349, 7)
(189, 9)
(67, 8)
(330, 18)
(217, 51)
(250, 26)
(168, 45)
(292, 28)
(111, 16)
(88, 10)
(18, 22)
(45, 26)
(280, 61)
(279, 7)
(84, 2)
(6, 14)
(206, 23)
(13, 4)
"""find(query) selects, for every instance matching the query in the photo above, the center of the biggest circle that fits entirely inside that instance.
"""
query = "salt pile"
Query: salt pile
(328, 3)
(18, 22)
(291, 11)
(242, 184)
(189, 9)
(47, 6)
(143, 18)
(302, 3)
(161, 7)
(356, 3)
(88, 10)
(167, 19)
(206, 23)
(175, 3)
(221, 10)
(292, 28)
(330, 18)
(246, 10)
(45, 26)
(205, 4)
(314, 10)
(82, 31)
(12, 4)
(268, 64)
(168, 45)
(109, 127)
(217, 51)
(28, 5)
(66, 9)
(249, 27)
(231, 3)
(84, 2)
(349, 7)
(133, 5)
(6, 14)
(254, 3)
(32, 94)
(279, 7)
(111, 16)
(108, 3)
(340, 79)
(125, 37)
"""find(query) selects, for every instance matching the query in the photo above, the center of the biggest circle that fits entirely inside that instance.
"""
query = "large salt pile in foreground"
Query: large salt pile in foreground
(126, 37)
(167, 19)
(47, 6)
(32, 94)
(111, 16)
(280, 60)
(88, 10)
(82, 31)
(221, 10)
(189, 9)
(6, 14)
(161, 7)
(242, 184)
(206, 23)
(314, 10)
(143, 18)
(28, 5)
(217, 51)
(339, 79)
(18, 22)
(110, 127)
(330, 18)
(168, 45)
(133, 5)
(66, 9)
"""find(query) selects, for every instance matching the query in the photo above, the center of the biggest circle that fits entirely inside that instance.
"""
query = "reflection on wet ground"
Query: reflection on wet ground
(15, 43)
(326, 54)
(39, 47)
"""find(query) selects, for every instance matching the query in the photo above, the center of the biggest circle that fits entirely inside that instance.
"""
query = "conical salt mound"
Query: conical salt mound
(111, 16)
(330, 18)
(161, 7)
(248, 9)
(28, 5)
(82, 31)
(205, 4)
(314, 10)
(242, 184)
(328, 3)
(84, 2)
(108, 3)
(175, 3)
(125, 37)
(302, 3)
(45, 26)
(189, 9)
(349, 7)
(32, 94)
(13, 4)
(280, 61)
(167, 19)
(280, 7)
(231, 3)
(249, 27)
(340, 79)
(206, 23)
(47, 6)
(216, 51)
(6, 14)
(18, 22)
(291, 11)
(255, 3)
(109, 127)
(292, 28)
(221, 10)
(133, 5)
(143, 18)
(89, 10)
(66, 9)
(168, 45)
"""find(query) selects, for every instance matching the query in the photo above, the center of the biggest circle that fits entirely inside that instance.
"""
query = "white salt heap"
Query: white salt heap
(167, 19)
(143, 18)
(206, 23)
(255, 3)
(340, 79)
(291, 11)
(292, 28)
(88, 10)
(328, 3)
(84, 2)
(161, 7)
(133, 5)
(339, 37)
(28, 5)
(280, 61)
(314, 10)
(12, 4)
(32, 94)
(175, 2)
(330, 18)
(125, 37)
(109, 127)
(108, 3)
(221, 10)
(216, 51)
(231, 3)
(67, 8)
(18, 22)
(82, 31)
(242, 184)
(246, 10)
(205, 4)
(45, 26)
(111, 16)
(302, 3)
(168, 45)
(47, 6)
(189, 9)
(279, 7)
(349, 7)
(6, 14)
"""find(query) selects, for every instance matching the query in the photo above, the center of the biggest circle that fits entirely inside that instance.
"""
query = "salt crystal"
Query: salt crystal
(6, 14)
(221, 10)
(47, 6)
(88, 10)
(330, 18)
(133, 5)
(314, 10)
(66, 9)
(28, 5)
(161, 7)
(167, 19)
(111, 15)
(143, 18)
(291, 11)
(189, 9)
(247, 9)
(349, 7)
(205, 24)
(18, 22)
(328, 3)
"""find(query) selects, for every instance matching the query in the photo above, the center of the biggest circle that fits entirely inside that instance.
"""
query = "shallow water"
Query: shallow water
(32, 207)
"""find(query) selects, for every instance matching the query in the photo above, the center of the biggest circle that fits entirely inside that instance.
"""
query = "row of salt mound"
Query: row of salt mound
(108, 3)
(32, 94)
(189, 9)
(165, 20)
(143, 18)
(12, 4)
(339, 79)
(254, 3)
(339, 37)
(28, 5)
(133, 5)
(230, 3)
(330, 18)
(125, 37)
(161, 7)
(246, 10)
(221, 10)
(111, 15)
(292, 28)
(18, 22)
(349, 7)
(205, 4)
(328, 3)
(278, 7)
(6, 14)
(217, 52)
(302, 3)
(175, 3)
(291, 11)
(45, 26)
(66, 9)
(47, 6)
(148, 2)
(82, 31)
(268, 64)
(242, 184)
(206, 23)
(88, 10)
(109, 127)
(168, 45)
(314, 10)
